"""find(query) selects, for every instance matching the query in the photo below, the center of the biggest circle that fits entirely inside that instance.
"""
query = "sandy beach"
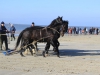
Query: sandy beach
(79, 55)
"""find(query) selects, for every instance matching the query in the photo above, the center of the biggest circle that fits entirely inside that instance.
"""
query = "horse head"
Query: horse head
(64, 28)
(56, 21)
(59, 19)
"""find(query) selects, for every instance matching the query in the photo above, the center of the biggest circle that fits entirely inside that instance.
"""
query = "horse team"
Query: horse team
(50, 34)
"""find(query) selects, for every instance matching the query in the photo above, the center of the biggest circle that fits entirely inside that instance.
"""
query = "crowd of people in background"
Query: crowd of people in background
(3, 34)
(71, 30)
(85, 30)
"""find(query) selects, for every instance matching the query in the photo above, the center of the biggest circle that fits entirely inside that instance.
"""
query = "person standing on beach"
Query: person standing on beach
(3, 35)
(84, 30)
(12, 31)
(74, 30)
(32, 24)
(0, 39)
(97, 31)
(80, 30)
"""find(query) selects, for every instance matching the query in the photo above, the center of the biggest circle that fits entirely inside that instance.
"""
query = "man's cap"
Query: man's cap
(2, 22)
(32, 22)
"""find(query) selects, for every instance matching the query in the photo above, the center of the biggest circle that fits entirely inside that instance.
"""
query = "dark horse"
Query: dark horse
(56, 29)
(44, 30)
(64, 29)
(33, 34)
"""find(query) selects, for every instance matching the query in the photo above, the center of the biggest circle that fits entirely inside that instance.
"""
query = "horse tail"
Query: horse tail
(18, 39)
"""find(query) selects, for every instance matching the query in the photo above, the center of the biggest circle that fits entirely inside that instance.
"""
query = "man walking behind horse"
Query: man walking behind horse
(3, 35)
(12, 31)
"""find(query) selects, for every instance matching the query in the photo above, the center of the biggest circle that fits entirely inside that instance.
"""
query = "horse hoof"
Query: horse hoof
(46, 55)
(23, 56)
(35, 55)
(32, 54)
(58, 56)
(43, 53)
(54, 50)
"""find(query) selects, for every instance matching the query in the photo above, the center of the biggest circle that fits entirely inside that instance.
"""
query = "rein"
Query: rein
(33, 43)
(3, 34)
(53, 29)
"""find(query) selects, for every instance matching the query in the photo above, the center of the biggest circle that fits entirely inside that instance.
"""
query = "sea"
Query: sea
(20, 27)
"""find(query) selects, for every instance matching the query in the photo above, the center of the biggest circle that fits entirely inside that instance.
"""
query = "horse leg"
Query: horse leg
(55, 47)
(57, 44)
(30, 50)
(32, 46)
(46, 49)
(36, 46)
(22, 50)
(57, 50)
(26, 51)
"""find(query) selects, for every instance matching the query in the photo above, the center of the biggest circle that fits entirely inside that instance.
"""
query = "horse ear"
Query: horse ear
(58, 16)
(62, 17)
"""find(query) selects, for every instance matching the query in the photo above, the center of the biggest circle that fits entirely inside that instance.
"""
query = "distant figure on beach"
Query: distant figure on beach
(3, 35)
(74, 30)
(77, 30)
(84, 30)
(12, 31)
(97, 31)
(32, 24)
(80, 30)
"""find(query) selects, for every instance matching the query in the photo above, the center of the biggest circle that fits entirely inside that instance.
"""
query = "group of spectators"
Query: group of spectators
(74, 30)
(71, 30)
(3, 34)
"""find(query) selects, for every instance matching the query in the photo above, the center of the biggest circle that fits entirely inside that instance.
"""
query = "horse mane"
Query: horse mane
(56, 25)
(33, 28)
(52, 23)
(65, 21)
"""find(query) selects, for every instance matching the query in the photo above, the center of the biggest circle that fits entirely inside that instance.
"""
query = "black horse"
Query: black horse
(45, 40)
(35, 33)
(64, 30)
(57, 30)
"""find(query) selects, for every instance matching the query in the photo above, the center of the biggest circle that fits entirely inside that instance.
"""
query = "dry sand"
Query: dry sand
(79, 55)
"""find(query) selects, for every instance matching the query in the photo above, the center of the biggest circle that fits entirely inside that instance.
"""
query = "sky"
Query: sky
(42, 12)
